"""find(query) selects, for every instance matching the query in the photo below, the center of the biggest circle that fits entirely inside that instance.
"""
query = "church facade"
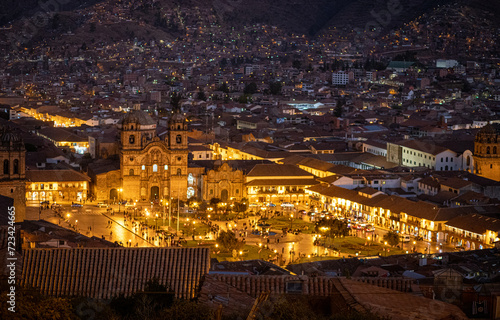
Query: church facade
(152, 168)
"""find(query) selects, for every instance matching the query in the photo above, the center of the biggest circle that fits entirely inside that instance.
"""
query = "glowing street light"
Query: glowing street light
(119, 198)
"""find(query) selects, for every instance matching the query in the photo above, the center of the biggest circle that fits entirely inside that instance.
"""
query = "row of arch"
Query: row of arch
(131, 172)
(155, 193)
(15, 167)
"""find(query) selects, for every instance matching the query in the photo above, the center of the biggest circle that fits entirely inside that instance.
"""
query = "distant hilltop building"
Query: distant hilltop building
(486, 152)
(446, 64)
(342, 78)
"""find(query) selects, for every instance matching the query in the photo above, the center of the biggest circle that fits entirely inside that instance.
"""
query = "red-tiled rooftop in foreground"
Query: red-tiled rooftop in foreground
(235, 292)
(103, 273)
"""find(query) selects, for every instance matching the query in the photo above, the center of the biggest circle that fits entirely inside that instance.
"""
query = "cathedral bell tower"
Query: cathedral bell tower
(487, 152)
(137, 130)
(178, 146)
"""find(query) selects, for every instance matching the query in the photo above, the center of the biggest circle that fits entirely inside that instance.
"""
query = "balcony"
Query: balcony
(267, 191)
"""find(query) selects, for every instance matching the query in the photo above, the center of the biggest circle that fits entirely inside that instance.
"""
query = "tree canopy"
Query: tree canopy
(228, 242)
(332, 228)
(392, 238)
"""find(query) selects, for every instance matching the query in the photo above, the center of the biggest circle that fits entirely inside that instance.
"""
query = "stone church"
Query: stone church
(487, 152)
(151, 167)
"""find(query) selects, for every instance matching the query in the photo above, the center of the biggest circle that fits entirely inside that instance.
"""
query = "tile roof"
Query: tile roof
(395, 204)
(236, 291)
(63, 135)
(475, 223)
(55, 175)
(397, 305)
(426, 147)
(108, 272)
(456, 183)
(282, 182)
(103, 166)
(284, 170)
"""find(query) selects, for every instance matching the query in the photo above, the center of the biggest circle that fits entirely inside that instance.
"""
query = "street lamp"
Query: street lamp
(119, 198)
(156, 222)
(291, 220)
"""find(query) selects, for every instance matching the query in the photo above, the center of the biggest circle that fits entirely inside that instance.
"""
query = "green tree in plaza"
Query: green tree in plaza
(214, 202)
(241, 206)
(228, 242)
(332, 228)
(392, 238)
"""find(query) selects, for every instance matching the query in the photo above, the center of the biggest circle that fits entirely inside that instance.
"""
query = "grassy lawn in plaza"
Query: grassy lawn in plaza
(186, 228)
(349, 246)
(230, 216)
(248, 252)
(278, 223)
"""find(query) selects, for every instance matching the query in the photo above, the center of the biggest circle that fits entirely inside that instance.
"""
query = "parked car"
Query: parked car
(102, 205)
(405, 237)
(76, 205)
(369, 228)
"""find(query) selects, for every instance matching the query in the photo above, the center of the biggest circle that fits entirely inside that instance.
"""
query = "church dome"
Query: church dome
(10, 138)
(137, 117)
(177, 118)
(489, 129)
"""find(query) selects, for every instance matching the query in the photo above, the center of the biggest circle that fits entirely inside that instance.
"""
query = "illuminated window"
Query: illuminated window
(143, 167)
(155, 168)
(166, 167)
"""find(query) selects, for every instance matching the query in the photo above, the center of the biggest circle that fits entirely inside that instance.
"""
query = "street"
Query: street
(90, 220)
